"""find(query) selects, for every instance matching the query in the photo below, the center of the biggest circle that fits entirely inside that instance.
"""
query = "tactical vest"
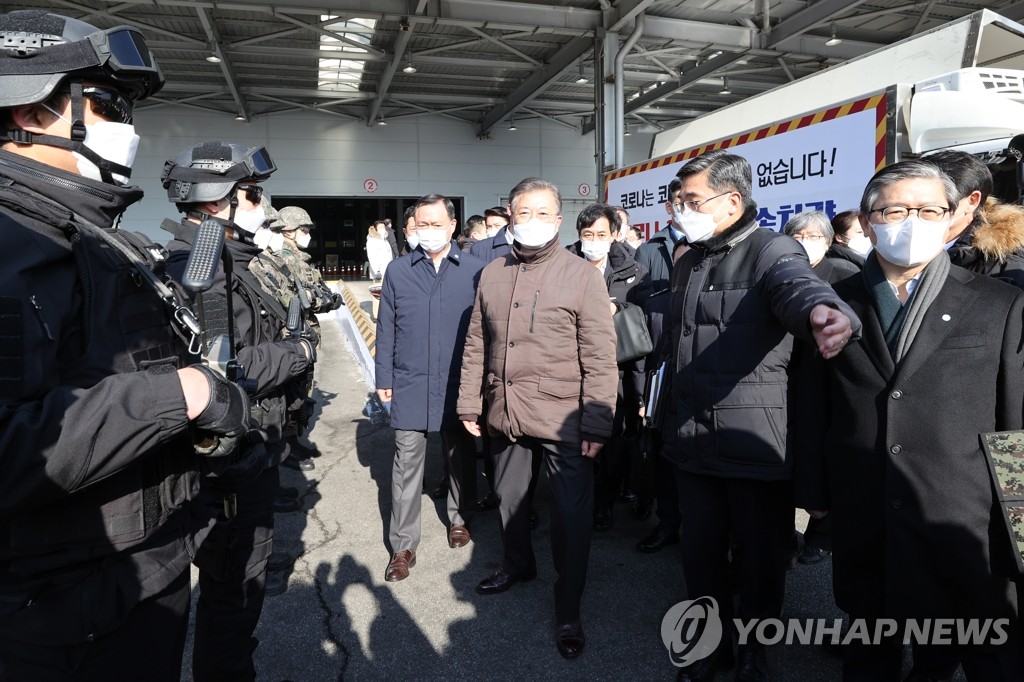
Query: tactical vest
(124, 328)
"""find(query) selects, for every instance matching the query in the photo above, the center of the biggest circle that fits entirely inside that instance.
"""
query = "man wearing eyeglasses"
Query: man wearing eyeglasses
(539, 368)
(97, 407)
(738, 298)
(889, 444)
(220, 182)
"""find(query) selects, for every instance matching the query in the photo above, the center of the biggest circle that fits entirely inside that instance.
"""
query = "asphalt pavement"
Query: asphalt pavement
(339, 619)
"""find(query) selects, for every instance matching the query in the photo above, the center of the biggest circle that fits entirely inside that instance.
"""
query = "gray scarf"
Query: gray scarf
(929, 284)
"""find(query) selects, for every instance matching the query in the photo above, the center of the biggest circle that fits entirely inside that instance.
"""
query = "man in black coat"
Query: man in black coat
(655, 255)
(890, 447)
(597, 226)
(739, 296)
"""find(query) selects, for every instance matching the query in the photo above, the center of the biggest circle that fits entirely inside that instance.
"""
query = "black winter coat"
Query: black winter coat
(893, 453)
(622, 274)
(655, 257)
(994, 245)
(97, 458)
(737, 301)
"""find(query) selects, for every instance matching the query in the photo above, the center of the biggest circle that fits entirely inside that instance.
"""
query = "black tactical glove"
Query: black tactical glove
(227, 413)
(312, 335)
(303, 342)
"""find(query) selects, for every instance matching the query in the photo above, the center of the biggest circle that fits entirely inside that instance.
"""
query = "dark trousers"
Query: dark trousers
(147, 646)
(666, 492)
(571, 481)
(883, 662)
(759, 514)
(232, 564)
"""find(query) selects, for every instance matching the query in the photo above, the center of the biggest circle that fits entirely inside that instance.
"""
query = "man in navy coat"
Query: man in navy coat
(425, 305)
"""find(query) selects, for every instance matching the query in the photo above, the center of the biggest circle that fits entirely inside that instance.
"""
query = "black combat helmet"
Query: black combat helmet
(44, 54)
(39, 50)
(210, 171)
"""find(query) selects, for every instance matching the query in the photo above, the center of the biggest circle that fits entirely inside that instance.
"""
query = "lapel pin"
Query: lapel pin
(946, 318)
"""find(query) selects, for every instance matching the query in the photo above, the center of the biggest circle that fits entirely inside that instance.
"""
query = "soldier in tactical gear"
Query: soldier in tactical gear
(220, 182)
(282, 276)
(97, 405)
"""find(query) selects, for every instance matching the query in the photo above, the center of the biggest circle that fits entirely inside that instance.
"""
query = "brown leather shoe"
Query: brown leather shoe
(400, 564)
(458, 536)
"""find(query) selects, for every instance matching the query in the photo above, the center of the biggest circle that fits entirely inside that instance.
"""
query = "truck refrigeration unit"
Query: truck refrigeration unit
(814, 143)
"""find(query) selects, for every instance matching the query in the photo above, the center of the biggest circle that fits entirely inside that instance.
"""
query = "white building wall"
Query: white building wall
(320, 155)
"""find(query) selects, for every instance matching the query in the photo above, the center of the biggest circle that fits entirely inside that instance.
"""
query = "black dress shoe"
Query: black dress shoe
(603, 519)
(279, 561)
(705, 669)
(812, 555)
(300, 451)
(490, 501)
(298, 464)
(501, 581)
(285, 505)
(276, 584)
(642, 508)
(288, 491)
(753, 664)
(658, 540)
(570, 639)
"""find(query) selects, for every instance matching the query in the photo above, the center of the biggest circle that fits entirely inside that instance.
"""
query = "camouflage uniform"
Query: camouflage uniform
(274, 271)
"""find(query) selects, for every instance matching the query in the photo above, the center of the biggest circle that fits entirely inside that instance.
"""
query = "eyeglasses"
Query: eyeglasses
(252, 192)
(109, 104)
(807, 237)
(897, 214)
(524, 215)
(694, 205)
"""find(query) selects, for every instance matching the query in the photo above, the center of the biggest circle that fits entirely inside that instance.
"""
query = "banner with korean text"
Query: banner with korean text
(817, 162)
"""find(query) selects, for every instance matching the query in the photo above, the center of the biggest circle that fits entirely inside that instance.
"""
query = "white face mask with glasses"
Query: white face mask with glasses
(815, 245)
(694, 225)
(906, 239)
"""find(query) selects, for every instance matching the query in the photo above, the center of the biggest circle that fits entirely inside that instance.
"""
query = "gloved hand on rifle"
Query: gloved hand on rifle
(229, 439)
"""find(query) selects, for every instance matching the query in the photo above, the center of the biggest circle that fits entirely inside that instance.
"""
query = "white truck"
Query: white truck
(814, 143)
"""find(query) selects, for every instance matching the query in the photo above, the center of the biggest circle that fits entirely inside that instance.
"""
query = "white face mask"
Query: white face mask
(432, 241)
(634, 244)
(815, 250)
(911, 242)
(262, 237)
(861, 244)
(115, 142)
(413, 240)
(594, 249)
(250, 221)
(535, 233)
(694, 225)
(302, 239)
